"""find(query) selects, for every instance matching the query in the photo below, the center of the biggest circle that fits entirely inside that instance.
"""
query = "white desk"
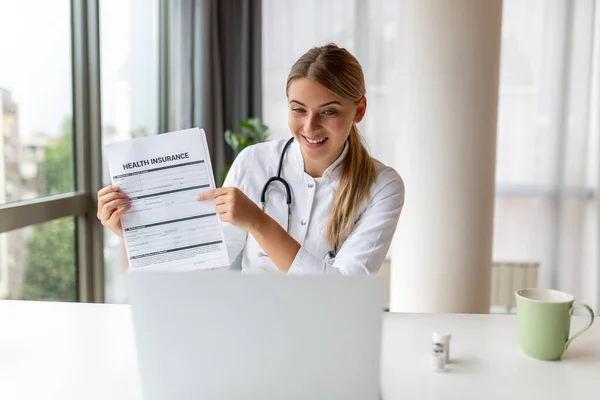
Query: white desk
(86, 351)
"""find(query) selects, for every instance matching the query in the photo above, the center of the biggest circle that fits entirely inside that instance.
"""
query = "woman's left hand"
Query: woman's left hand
(233, 206)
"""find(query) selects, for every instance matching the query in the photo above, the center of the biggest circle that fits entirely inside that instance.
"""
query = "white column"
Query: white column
(445, 151)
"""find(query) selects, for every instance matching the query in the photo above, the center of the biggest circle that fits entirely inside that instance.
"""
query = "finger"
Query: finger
(117, 214)
(226, 217)
(211, 194)
(112, 221)
(107, 189)
(218, 201)
(224, 191)
(110, 207)
(222, 209)
(109, 197)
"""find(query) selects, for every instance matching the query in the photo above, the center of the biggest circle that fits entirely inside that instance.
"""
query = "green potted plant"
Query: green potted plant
(254, 131)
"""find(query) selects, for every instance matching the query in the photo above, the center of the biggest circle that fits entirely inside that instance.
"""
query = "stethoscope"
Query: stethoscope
(288, 194)
(278, 178)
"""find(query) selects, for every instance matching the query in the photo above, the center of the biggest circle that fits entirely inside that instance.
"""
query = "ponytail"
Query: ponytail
(355, 184)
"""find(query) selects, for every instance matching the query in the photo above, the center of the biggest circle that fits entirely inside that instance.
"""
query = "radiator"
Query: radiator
(507, 278)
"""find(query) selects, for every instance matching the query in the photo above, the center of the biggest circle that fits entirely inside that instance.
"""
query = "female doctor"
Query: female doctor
(327, 206)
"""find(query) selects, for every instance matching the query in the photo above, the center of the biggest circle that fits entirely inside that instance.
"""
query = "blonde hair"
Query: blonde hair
(339, 71)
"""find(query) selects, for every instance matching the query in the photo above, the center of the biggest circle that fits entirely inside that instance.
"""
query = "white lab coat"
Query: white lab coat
(363, 251)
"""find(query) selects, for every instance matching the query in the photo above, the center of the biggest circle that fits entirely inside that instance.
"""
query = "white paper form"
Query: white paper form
(166, 226)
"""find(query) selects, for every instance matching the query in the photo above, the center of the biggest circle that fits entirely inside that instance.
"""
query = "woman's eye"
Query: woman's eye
(298, 110)
(330, 112)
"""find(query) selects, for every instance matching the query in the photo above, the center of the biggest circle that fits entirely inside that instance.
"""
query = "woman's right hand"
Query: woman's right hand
(109, 199)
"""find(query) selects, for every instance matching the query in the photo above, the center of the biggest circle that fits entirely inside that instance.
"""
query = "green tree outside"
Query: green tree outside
(50, 264)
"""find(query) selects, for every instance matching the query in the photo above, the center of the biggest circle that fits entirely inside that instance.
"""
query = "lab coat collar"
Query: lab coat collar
(331, 171)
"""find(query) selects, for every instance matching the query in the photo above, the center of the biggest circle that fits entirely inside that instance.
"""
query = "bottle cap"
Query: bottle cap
(441, 337)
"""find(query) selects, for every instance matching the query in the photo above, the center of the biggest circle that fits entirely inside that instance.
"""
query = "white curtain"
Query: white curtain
(548, 149)
(547, 167)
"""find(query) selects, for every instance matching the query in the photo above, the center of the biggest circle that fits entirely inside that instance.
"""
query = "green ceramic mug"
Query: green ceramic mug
(544, 322)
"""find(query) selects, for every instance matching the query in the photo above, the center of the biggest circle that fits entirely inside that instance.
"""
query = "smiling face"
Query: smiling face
(320, 121)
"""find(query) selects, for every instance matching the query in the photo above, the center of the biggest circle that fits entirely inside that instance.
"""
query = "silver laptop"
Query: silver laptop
(207, 335)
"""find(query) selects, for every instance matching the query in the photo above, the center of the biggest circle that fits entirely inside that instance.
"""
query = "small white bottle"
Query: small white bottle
(444, 340)
(438, 357)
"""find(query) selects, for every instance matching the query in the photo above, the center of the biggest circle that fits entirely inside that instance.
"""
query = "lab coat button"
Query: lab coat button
(303, 222)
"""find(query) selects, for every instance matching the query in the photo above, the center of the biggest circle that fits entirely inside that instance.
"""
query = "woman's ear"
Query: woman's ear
(361, 109)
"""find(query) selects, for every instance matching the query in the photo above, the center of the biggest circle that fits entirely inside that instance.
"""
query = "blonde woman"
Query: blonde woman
(316, 203)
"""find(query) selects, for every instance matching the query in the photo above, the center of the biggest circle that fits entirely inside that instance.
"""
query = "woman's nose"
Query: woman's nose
(312, 123)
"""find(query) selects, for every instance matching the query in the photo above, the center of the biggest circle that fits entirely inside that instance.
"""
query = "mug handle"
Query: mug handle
(571, 310)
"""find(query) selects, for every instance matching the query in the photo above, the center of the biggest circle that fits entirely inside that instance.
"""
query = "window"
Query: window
(129, 87)
(36, 151)
(38, 262)
(36, 148)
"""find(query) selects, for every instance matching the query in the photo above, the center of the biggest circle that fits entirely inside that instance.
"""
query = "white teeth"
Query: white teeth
(311, 141)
